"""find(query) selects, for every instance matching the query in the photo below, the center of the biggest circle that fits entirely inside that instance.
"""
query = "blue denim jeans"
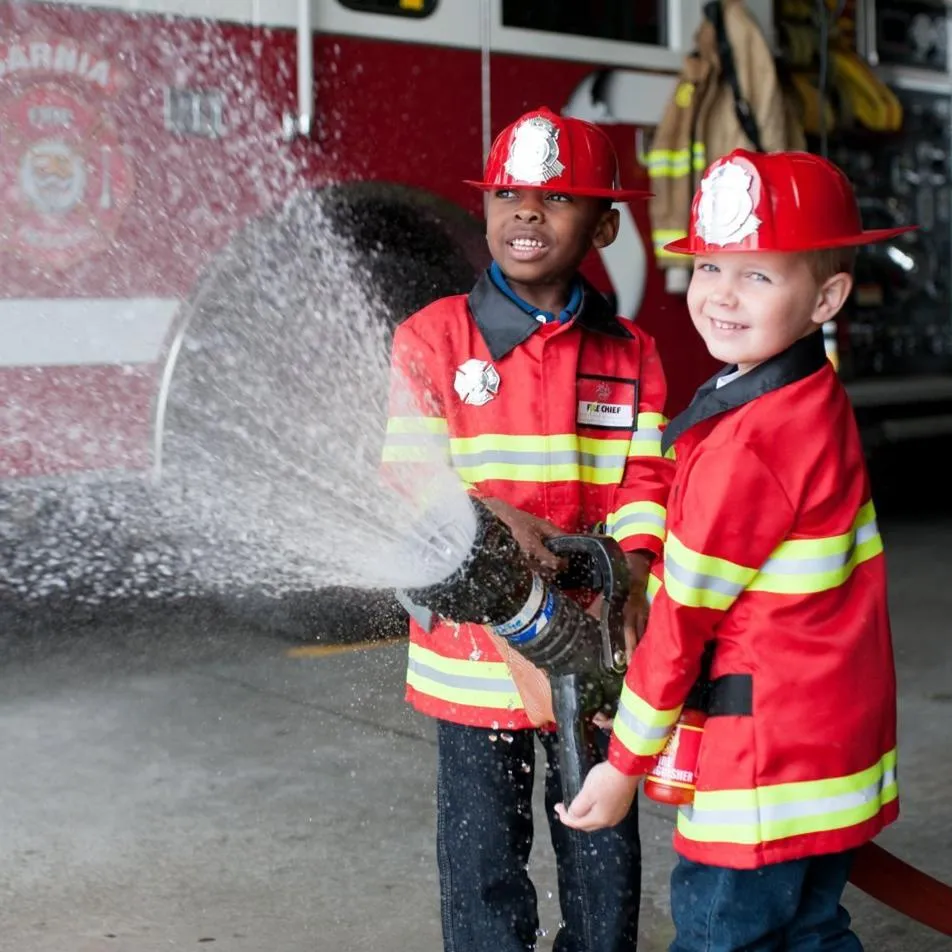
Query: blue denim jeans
(484, 835)
(787, 907)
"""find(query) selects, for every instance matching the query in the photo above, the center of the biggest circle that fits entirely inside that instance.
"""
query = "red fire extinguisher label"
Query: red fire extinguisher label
(677, 765)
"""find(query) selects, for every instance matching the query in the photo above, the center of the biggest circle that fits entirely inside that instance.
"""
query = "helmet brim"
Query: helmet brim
(682, 246)
(615, 194)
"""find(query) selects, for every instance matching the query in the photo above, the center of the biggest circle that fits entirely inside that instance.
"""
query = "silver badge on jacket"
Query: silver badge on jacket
(476, 382)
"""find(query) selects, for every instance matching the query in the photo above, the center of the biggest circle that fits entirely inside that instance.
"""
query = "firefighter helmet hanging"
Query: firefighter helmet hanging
(543, 150)
(777, 201)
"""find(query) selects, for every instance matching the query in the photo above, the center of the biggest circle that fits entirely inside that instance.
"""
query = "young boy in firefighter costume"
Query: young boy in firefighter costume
(773, 558)
(549, 407)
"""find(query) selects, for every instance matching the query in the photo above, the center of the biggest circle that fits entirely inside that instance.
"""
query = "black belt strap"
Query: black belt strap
(731, 695)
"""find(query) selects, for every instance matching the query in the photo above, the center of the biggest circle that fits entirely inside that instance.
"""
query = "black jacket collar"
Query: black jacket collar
(799, 360)
(504, 325)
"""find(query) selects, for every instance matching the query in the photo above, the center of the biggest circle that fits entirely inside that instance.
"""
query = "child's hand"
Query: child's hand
(604, 800)
(530, 532)
(636, 608)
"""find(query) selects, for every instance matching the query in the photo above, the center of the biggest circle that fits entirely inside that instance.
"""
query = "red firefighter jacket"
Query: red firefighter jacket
(563, 421)
(773, 554)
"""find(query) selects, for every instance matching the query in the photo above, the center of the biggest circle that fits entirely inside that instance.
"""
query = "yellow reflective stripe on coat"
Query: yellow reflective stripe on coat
(652, 587)
(702, 581)
(641, 728)
(636, 518)
(540, 459)
(661, 236)
(789, 809)
(416, 439)
(803, 566)
(795, 567)
(646, 440)
(676, 163)
(461, 681)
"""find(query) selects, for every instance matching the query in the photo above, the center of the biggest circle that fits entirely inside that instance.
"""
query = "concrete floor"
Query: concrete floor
(170, 778)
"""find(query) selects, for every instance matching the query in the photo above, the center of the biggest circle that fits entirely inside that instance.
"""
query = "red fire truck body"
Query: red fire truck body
(140, 136)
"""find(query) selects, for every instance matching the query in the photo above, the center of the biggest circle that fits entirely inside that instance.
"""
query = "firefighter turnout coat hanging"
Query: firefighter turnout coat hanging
(728, 96)
(563, 421)
(772, 553)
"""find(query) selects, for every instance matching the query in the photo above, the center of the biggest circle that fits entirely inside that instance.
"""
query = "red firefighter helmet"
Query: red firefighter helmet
(542, 150)
(775, 201)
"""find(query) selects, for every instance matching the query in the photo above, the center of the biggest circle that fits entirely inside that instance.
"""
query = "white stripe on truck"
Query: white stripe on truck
(58, 332)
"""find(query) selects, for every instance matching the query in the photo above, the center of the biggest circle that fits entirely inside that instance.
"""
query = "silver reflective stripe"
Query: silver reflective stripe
(825, 563)
(828, 563)
(465, 681)
(639, 727)
(867, 532)
(773, 813)
(602, 462)
(646, 436)
(529, 458)
(698, 580)
(638, 518)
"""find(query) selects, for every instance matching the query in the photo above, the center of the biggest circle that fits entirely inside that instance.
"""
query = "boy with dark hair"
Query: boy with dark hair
(549, 408)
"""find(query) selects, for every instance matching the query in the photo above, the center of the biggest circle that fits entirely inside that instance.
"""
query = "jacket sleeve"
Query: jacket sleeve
(734, 514)
(416, 445)
(637, 515)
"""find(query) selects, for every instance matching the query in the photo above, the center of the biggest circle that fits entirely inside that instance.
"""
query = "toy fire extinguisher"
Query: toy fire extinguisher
(674, 777)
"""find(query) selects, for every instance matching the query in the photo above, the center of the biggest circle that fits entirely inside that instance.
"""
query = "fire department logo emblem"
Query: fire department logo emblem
(725, 213)
(534, 151)
(65, 182)
(476, 382)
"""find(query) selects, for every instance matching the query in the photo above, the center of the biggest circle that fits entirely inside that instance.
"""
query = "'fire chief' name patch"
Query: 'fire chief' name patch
(607, 403)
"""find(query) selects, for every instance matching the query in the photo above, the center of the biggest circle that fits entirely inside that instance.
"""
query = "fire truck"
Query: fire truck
(142, 141)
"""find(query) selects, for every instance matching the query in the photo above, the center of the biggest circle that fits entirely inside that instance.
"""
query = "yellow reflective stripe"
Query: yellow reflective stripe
(795, 567)
(652, 587)
(415, 439)
(461, 681)
(648, 420)
(676, 163)
(637, 518)
(646, 440)
(641, 728)
(560, 457)
(702, 581)
(661, 237)
(417, 424)
(790, 809)
(805, 566)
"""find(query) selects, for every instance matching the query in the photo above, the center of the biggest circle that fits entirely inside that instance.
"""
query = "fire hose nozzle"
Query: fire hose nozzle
(584, 657)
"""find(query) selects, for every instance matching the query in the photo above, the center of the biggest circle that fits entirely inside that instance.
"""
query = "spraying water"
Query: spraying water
(292, 429)
(271, 444)
(273, 419)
